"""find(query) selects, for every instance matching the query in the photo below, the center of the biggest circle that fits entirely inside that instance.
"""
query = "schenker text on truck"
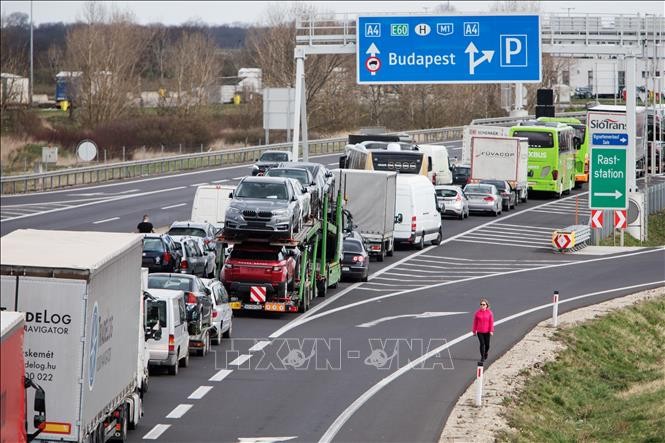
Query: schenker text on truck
(420, 60)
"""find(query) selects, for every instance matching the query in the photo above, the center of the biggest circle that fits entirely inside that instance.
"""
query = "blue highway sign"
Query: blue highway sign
(609, 139)
(448, 49)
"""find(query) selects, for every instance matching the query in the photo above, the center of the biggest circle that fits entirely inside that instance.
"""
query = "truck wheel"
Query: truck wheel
(525, 198)
(421, 244)
(173, 370)
(125, 424)
(437, 240)
(184, 362)
(382, 255)
(391, 251)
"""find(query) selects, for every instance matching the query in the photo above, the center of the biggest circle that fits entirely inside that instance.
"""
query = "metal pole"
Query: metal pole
(300, 73)
(479, 384)
(555, 309)
(303, 120)
(32, 78)
(630, 123)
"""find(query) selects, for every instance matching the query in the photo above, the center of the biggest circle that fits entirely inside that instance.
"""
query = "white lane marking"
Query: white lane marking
(392, 285)
(402, 280)
(309, 314)
(369, 324)
(405, 275)
(238, 178)
(240, 360)
(156, 432)
(105, 220)
(516, 231)
(436, 285)
(499, 237)
(174, 206)
(443, 271)
(488, 262)
(259, 346)
(264, 439)
(486, 242)
(224, 180)
(448, 258)
(199, 393)
(333, 164)
(362, 288)
(196, 185)
(97, 202)
(478, 266)
(220, 375)
(179, 411)
(367, 395)
(553, 211)
(526, 227)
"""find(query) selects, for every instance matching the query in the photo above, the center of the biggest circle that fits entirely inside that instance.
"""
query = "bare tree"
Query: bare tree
(195, 64)
(272, 45)
(107, 50)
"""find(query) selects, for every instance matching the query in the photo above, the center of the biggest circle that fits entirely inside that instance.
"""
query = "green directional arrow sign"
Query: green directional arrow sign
(607, 181)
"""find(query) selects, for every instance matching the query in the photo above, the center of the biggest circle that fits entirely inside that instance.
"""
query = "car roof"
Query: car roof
(451, 187)
(275, 151)
(189, 223)
(264, 179)
(286, 168)
(172, 274)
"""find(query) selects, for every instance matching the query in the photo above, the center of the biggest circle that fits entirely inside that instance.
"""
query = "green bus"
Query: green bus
(551, 166)
(581, 154)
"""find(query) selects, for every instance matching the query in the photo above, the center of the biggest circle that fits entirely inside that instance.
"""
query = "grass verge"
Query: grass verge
(608, 385)
(656, 234)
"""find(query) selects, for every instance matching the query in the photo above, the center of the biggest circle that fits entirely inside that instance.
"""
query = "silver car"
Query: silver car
(483, 198)
(453, 200)
(222, 314)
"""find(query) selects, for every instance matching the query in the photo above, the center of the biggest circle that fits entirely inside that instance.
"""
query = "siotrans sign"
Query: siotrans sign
(448, 49)
(607, 162)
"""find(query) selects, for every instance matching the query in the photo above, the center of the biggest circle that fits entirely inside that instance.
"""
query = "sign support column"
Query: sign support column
(631, 124)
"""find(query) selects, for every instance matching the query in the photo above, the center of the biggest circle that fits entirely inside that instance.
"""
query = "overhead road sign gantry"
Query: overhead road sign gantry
(448, 49)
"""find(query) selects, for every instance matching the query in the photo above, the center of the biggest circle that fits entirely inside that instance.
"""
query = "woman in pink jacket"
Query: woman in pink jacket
(483, 327)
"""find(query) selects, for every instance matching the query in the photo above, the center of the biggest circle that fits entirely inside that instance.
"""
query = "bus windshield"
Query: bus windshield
(537, 139)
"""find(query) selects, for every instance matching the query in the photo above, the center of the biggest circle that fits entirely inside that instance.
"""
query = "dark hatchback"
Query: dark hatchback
(461, 174)
(160, 253)
(355, 259)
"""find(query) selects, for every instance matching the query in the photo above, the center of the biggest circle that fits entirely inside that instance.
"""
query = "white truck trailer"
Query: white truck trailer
(370, 198)
(501, 158)
(81, 295)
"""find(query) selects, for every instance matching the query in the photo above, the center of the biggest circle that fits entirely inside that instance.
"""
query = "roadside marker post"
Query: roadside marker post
(555, 309)
(479, 384)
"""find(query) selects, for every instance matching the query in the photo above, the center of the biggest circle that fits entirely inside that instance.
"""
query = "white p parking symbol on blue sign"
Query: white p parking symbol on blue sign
(513, 51)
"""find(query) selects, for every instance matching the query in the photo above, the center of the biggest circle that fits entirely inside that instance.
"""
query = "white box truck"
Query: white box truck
(80, 293)
(474, 130)
(501, 158)
(210, 204)
(370, 198)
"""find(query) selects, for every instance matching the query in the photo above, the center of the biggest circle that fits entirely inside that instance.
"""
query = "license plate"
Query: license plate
(345, 268)
(252, 307)
(235, 305)
(276, 307)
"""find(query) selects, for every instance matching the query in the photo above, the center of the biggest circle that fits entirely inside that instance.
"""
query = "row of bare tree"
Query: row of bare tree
(113, 54)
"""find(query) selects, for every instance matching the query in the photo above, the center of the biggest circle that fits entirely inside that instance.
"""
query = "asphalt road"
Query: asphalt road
(379, 361)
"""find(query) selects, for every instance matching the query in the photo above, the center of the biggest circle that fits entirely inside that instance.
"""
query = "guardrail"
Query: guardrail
(46, 181)
(571, 238)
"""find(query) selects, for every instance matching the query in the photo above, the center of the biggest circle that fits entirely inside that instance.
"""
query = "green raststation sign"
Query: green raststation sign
(607, 178)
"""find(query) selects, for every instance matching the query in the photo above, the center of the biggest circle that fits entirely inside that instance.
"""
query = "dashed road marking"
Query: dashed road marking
(240, 360)
(199, 393)
(156, 432)
(174, 206)
(179, 411)
(220, 375)
(259, 346)
(105, 220)
(224, 180)
(196, 185)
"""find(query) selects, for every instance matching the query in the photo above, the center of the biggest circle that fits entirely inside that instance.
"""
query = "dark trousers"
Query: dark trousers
(484, 339)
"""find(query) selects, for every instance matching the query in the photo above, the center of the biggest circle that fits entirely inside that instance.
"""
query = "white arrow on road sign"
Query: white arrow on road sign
(423, 315)
(620, 219)
(372, 50)
(472, 50)
(596, 218)
(616, 194)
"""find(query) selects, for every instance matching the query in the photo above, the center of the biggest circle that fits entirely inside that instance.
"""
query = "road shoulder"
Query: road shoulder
(505, 378)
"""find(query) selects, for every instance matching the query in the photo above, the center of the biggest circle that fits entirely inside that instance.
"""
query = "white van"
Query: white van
(441, 173)
(417, 216)
(167, 307)
(210, 204)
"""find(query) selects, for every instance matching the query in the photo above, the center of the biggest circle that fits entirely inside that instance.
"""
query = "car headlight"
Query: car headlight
(232, 210)
(255, 167)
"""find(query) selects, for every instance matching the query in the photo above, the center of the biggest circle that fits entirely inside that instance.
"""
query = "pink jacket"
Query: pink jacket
(483, 321)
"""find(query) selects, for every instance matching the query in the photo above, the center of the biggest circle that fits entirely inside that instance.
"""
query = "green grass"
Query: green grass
(655, 237)
(608, 385)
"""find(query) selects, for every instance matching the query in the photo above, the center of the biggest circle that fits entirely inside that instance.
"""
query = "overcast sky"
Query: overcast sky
(226, 12)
